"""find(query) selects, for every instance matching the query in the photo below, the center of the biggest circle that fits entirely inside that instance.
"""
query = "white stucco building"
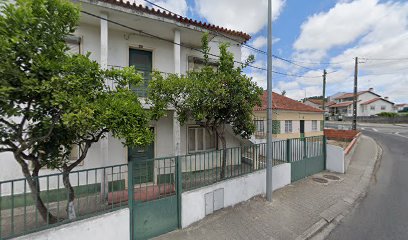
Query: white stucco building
(120, 34)
(368, 104)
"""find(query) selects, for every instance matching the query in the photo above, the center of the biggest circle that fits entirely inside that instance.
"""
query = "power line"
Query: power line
(243, 44)
(385, 59)
(188, 47)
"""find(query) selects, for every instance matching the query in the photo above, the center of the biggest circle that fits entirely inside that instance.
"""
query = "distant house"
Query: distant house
(368, 104)
(401, 107)
(316, 103)
(290, 119)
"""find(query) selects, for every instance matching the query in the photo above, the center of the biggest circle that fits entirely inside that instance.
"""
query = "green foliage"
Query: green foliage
(214, 96)
(49, 99)
(276, 127)
(387, 114)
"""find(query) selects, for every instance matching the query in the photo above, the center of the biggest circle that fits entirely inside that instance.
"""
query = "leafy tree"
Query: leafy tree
(50, 100)
(214, 96)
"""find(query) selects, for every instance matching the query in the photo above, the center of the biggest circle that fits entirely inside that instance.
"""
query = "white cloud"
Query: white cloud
(241, 15)
(262, 41)
(374, 30)
(340, 25)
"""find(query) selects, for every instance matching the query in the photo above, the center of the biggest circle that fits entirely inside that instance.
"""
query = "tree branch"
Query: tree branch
(21, 125)
(8, 124)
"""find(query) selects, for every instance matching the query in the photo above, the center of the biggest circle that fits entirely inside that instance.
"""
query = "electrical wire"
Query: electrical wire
(293, 62)
(188, 47)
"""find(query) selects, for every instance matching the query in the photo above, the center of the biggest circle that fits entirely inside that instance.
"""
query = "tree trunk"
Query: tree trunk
(224, 156)
(34, 184)
(71, 195)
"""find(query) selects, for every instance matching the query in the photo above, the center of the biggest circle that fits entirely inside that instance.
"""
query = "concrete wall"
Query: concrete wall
(114, 225)
(236, 190)
(375, 119)
(335, 159)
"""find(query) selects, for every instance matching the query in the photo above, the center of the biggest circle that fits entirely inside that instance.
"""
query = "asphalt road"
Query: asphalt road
(383, 213)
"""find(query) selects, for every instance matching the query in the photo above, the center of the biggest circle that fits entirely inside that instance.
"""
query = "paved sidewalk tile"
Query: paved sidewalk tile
(295, 209)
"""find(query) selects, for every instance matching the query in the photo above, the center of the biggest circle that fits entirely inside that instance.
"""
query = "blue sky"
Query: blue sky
(318, 31)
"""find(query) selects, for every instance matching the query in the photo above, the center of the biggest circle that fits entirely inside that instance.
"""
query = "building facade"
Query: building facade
(117, 35)
(369, 103)
(290, 119)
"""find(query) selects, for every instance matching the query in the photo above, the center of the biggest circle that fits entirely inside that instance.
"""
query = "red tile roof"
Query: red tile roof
(315, 101)
(374, 100)
(350, 95)
(280, 102)
(342, 104)
(330, 103)
(157, 12)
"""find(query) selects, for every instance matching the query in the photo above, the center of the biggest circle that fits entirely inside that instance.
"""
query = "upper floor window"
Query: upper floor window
(74, 44)
(372, 107)
(143, 63)
(314, 125)
(383, 107)
(200, 139)
(288, 126)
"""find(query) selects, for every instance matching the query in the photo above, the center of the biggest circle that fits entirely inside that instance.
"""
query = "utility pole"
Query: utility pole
(354, 127)
(269, 110)
(324, 91)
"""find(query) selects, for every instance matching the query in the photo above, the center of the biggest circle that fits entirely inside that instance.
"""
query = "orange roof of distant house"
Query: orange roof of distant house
(330, 103)
(374, 100)
(178, 18)
(350, 95)
(280, 102)
(342, 104)
(315, 101)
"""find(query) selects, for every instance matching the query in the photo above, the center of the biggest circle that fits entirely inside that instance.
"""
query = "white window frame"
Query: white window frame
(75, 154)
(205, 132)
(372, 107)
(314, 125)
(74, 40)
(383, 107)
(288, 126)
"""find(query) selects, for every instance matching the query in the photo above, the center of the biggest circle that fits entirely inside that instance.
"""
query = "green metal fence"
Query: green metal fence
(93, 187)
(306, 155)
(104, 189)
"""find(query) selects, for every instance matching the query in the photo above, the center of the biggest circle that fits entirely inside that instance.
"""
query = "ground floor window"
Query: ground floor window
(314, 125)
(288, 126)
(200, 139)
(259, 127)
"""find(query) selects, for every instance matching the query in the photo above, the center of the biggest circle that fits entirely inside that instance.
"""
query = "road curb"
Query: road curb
(332, 216)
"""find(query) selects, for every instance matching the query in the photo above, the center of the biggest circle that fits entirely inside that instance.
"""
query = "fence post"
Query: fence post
(179, 188)
(130, 197)
(288, 151)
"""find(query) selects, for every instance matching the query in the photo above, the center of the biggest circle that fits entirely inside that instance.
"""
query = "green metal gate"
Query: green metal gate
(306, 155)
(155, 206)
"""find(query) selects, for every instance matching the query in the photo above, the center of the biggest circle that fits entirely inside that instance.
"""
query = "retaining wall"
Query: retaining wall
(114, 225)
(198, 203)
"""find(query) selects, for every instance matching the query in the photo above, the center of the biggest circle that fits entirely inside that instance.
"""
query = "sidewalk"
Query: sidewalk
(297, 211)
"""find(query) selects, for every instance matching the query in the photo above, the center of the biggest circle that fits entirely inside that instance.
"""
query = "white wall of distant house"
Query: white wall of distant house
(388, 107)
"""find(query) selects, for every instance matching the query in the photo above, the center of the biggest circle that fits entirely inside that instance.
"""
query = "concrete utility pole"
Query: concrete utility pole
(324, 91)
(355, 95)
(269, 110)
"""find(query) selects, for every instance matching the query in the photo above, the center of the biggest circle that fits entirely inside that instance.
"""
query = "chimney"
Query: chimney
(371, 89)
